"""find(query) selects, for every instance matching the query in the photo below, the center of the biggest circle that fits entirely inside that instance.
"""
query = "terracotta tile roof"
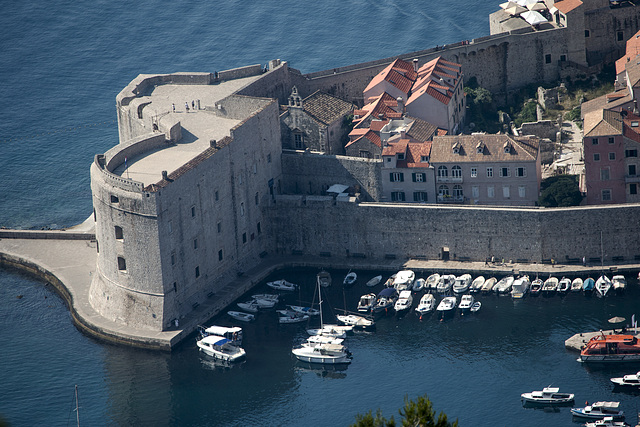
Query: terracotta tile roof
(633, 73)
(421, 130)
(602, 123)
(399, 73)
(381, 105)
(371, 136)
(377, 125)
(442, 132)
(522, 149)
(630, 131)
(415, 151)
(357, 133)
(433, 78)
(632, 51)
(393, 148)
(326, 108)
(606, 101)
(566, 6)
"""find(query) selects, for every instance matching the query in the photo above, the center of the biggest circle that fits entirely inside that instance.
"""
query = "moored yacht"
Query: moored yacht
(632, 380)
(447, 306)
(404, 280)
(550, 286)
(488, 285)
(520, 287)
(611, 349)
(504, 285)
(445, 282)
(536, 287)
(603, 285)
(599, 410)
(576, 285)
(548, 395)
(404, 301)
(432, 282)
(220, 348)
(426, 305)
(618, 283)
(477, 284)
(367, 302)
(461, 284)
(466, 302)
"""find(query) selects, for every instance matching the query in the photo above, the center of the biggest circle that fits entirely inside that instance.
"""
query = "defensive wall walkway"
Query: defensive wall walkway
(67, 259)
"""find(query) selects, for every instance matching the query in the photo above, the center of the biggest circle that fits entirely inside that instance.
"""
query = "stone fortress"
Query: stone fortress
(199, 188)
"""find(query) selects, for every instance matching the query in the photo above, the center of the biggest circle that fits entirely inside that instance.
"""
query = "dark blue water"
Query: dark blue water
(64, 62)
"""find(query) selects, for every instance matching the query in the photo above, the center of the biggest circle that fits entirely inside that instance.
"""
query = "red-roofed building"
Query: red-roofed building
(396, 80)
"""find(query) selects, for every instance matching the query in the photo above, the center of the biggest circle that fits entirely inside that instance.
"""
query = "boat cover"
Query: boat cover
(214, 340)
(387, 292)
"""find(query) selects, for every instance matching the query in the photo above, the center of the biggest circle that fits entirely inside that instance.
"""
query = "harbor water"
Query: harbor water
(63, 65)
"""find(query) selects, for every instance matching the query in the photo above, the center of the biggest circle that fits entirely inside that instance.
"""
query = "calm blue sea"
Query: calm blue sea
(64, 62)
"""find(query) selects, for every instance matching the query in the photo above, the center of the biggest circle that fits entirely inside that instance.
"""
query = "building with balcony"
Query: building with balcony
(486, 169)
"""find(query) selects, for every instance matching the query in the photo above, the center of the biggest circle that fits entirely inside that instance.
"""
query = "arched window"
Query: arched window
(457, 191)
(456, 172)
(443, 190)
(442, 171)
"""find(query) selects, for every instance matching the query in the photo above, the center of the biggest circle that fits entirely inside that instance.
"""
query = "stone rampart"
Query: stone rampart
(313, 173)
(402, 231)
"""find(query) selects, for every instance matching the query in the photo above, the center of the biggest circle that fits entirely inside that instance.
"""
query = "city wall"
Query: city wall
(392, 231)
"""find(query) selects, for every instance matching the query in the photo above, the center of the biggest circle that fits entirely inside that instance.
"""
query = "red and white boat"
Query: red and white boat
(611, 348)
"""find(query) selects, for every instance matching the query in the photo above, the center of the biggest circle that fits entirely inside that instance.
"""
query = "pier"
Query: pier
(66, 259)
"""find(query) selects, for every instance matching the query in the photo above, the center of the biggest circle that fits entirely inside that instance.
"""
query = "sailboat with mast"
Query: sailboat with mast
(323, 352)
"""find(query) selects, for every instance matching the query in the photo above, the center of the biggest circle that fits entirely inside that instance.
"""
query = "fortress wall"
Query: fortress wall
(115, 156)
(603, 24)
(239, 107)
(275, 83)
(312, 173)
(239, 73)
(379, 231)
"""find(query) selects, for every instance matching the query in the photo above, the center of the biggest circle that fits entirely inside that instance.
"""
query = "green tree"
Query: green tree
(559, 191)
(414, 414)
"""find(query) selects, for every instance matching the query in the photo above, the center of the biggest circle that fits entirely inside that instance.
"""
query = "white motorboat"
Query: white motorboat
(374, 281)
(599, 410)
(603, 285)
(550, 286)
(386, 300)
(477, 284)
(350, 279)
(445, 282)
(427, 304)
(404, 280)
(404, 302)
(564, 285)
(504, 285)
(607, 422)
(462, 283)
(243, 317)
(355, 321)
(465, 303)
(618, 283)
(335, 331)
(324, 353)
(320, 339)
(475, 307)
(447, 306)
(432, 282)
(576, 285)
(249, 306)
(232, 333)
(548, 396)
(221, 348)
(632, 380)
(265, 301)
(304, 310)
(324, 279)
(536, 287)
(282, 285)
(290, 316)
(488, 285)
(520, 287)
(418, 285)
(367, 302)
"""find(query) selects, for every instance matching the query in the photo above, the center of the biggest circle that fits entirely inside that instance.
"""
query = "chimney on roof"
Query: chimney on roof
(380, 116)
(400, 105)
(213, 143)
(415, 64)
(403, 134)
(165, 176)
(635, 107)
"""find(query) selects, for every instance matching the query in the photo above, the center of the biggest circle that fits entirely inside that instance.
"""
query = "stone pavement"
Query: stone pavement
(67, 260)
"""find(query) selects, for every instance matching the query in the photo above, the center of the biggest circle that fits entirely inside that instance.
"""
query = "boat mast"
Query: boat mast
(77, 407)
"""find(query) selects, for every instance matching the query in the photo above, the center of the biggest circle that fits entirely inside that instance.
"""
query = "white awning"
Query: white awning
(337, 188)
(533, 17)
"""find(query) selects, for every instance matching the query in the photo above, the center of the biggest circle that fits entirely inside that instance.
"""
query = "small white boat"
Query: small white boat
(432, 282)
(550, 286)
(564, 285)
(520, 287)
(603, 285)
(419, 285)
(367, 302)
(504, 285)
(232, 333)
(632, 380)
(304, 310)
(427, 304)
(599, 410)
(324, 279)
(282, 285)
(290, 316)
(324, 353)
(267, 297)
(336, 331)
(389, 282)
(477, 284)
(465, 303)
(374, 281)
(319, 339)
(221, 348)
(355, 321)
(462, 283)
(488, 285)
(475, 307)
(548, 396)
(350, 279)
(404, 301)
(445, 283)
(607, 422)
(619, 283)
(447, 306)
(249, 306)
(576, 285)
(404, 280)
(536, 287)
(243, 317)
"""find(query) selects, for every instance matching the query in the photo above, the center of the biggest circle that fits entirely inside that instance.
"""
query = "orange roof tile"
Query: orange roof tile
(566, 6)
(633, 50)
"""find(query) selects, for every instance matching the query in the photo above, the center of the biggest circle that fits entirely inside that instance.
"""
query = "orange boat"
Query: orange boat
(611, 348)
